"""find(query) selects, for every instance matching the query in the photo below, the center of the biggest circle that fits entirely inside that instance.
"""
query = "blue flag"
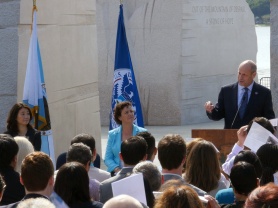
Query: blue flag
(34, 92)
(125, 88)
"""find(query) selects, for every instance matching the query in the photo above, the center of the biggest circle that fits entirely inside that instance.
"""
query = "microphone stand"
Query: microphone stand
(243, 99)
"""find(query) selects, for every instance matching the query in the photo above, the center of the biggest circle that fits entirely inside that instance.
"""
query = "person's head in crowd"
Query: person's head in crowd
(250, 157)
(263, 197)
(244, 179)
(133, 150)
(178, 197)
(247, 71)
(36, 203)
(88, 140)
(37, 174)
(264, 122)
(118, 110)
(268, 155)
(172, 183)
(122, 201)
(15, 115)
(202, 166)
(25, 148)
(189, 146)
(2, 186)
(79, 152)
(72, 183)
(150, 172)
(152, 150)
(172, 152)
(8, 151)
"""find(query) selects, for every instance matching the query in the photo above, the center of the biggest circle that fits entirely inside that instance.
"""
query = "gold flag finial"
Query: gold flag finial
(121, 1)
(33, 10)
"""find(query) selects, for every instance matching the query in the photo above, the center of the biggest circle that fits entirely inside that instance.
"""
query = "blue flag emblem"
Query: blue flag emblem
(125, 88)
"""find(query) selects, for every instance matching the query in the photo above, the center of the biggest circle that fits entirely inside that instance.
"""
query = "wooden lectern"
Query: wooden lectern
(223, 139)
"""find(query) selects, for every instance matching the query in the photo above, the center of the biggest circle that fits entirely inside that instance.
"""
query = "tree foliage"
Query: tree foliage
(259, 7)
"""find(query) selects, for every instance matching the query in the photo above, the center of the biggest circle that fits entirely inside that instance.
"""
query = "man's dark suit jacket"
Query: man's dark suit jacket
(27, 196)
(259, 105)
(106, 188)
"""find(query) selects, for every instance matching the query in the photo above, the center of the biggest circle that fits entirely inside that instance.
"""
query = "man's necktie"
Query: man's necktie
(243, 103)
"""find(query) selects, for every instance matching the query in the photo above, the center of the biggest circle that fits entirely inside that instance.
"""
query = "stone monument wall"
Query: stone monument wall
(182, 51)
(9, 20)
(67, 36)
(274, 53)
(153, 30)
(216, 37)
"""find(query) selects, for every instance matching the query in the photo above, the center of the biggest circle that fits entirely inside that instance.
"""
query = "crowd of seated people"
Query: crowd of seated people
(188, 175)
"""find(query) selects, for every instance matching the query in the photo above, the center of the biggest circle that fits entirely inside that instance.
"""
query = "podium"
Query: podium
(223, 139)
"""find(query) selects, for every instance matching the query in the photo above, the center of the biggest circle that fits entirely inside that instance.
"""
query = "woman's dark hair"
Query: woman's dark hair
(268, 155)
(252, 158)
(12, 122)
(118, 110)
(72, 183)
(243, 178)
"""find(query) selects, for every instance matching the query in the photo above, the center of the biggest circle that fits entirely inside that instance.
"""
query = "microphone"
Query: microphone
(243, 99)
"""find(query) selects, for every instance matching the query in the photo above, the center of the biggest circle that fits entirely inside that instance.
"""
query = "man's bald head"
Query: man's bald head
(122, 201)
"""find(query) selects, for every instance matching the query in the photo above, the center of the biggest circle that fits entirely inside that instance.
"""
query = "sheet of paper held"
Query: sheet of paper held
(258, 136)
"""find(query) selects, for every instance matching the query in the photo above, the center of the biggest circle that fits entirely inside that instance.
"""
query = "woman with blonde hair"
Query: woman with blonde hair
(203, 168)
(24, 148)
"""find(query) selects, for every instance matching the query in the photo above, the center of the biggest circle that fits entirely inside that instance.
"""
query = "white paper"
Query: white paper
(259, 136)
(274, 122)
(132, 186)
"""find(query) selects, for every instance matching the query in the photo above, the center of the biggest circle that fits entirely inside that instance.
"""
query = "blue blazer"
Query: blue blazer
(113, 148)
(259, 105)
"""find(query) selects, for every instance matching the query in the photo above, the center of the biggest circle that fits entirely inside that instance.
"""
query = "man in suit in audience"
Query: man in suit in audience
(94, 172)
(172, 156)
(133, 150)
(242, 101)
(152, 150)
(36, 176)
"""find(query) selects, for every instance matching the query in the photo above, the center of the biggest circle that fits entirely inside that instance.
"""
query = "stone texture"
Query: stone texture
(67, 37)
(216, 37)
(9, 19)
(182, 51)
(274, 53)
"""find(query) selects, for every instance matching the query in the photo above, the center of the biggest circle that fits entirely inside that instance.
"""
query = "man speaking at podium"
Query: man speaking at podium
(240, 102)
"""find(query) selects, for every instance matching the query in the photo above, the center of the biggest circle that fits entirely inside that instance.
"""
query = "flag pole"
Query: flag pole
(121, 2)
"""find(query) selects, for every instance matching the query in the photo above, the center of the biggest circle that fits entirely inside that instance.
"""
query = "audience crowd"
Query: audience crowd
(190, 175)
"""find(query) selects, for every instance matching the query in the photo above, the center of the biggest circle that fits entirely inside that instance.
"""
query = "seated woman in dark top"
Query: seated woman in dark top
(72, 185)
(18, 124)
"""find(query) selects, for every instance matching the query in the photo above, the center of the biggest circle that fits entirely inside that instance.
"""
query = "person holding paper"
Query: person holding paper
(239, 146)
(240, 102)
